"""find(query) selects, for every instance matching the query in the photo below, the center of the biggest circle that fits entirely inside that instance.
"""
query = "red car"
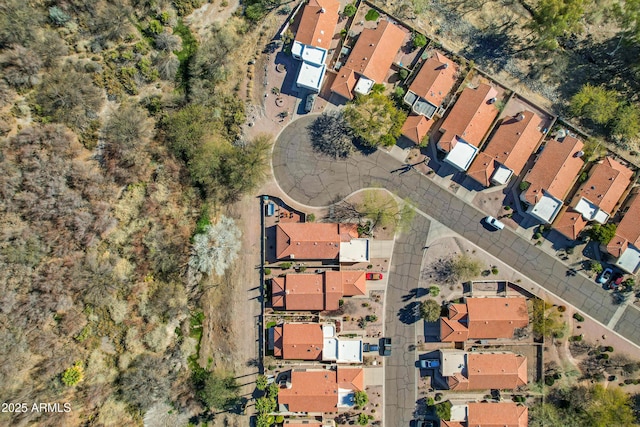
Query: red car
(373, 276)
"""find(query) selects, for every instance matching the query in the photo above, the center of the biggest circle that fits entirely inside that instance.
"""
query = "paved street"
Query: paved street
(316, 180)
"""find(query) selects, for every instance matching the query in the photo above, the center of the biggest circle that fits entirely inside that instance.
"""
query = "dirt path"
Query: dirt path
(201, 19)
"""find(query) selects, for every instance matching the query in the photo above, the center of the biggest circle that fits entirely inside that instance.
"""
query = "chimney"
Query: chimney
(492, 100)
(322, 10)
(579, 153)
(520, 117)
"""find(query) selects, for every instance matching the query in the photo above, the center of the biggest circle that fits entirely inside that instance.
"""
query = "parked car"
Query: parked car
(493, 222)
(387, 346)
(373, 276)
(429, 363)
(370, 347)
(605, 276)
(616, 281)
(308, 105)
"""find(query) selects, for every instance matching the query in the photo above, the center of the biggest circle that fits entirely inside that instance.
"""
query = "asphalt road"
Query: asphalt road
(314, 179)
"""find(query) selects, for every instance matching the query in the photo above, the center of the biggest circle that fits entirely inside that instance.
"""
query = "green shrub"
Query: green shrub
(311, 217)
(73, 375)
(434, 291)
(363, 420)
(372, 15)
(524, 185)
(562, 308)
(267, 271)
(279, 419)
(609, 349)
(576, 338)
(578, 317)
(285, 265)
(403, 74)
(419, 40)
(537, 236)
(549, 380)
(494, 270)
(350, 10)
(58, 16)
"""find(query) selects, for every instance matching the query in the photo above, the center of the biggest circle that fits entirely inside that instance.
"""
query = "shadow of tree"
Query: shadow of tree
(410, 313)
(415, 293)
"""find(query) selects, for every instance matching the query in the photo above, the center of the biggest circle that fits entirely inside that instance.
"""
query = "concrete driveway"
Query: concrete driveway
(313, 179)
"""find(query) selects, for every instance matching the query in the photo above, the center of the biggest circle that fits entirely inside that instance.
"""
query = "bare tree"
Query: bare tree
(20, 67)
(331, 135)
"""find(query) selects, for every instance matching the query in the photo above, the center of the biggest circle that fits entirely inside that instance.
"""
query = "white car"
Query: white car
(494, 222)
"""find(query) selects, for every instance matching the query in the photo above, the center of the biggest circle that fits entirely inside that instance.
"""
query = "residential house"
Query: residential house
(551, 177)
(625, 245)
(320, 391)
(484, 318)
(302, 423)
(596, 199)
(466, 125)
(427, 94)
(369, 60)
(313, 341)
(508, 150)
(316, 292)
(488, 414)
(320, 241)
(313, 40)
(483, 371)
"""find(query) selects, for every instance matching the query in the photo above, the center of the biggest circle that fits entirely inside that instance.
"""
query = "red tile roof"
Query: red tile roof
(344, 83)
(316, 292)
(569, 223)
(416, 128)
(606, 184)
(503, 414)
(484, 318)
(375, 51)
(470, 118)
(297, 423)
(555, 169)
(318, 23)
(300, 341)
(628, 231)
(511, 145)
(307, 241)
(317, 391)
(482, 168)
(491, 370)
(371, 57)
(435, 79)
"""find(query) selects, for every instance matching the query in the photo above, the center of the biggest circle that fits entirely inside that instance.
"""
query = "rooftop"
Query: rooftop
(555, 170)
(512, 144)
(416, 128)
(599, 195)
(461, 155)
(306, 241)
(628, 231)
(300, 341)
(470, 118)
(318, 23)
(484, 318)
(435, 80)
(484, 371)
(492, 414)
(569, 223)
(310, 76)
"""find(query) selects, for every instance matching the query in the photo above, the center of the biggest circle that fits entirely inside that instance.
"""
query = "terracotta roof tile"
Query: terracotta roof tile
(569, 223)
(452, 331)
(628, 231)
(317, 391)
(416, 128)
(300, 341)
(318, 23)
(312, 240)
(344, 83)
(375, 50)
(555, 169)
(316, 292)
(435, 79)
(606, 184)
(311, 391)
(503, 414)
(515, 140)
(294, 423)
(482, 168)
(496, 370)
(470, 118)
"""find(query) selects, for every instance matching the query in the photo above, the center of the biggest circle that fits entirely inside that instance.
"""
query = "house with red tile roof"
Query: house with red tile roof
(488, 414)
(625, 245)
(316, 292)
(432, 85)
(483, 371)
(369, 60)
(320, 391)
(416, 128)
(313, 341)
(466, 125)
(596, 199)
(299, 341)
(484, 318)
(553, 174)
(320, 241)
(508, 150)
(313, 40)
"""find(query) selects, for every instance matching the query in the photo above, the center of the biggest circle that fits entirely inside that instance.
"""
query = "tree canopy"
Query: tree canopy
(595, 103)
(375, 120)
(553, 19)
(430, 310)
